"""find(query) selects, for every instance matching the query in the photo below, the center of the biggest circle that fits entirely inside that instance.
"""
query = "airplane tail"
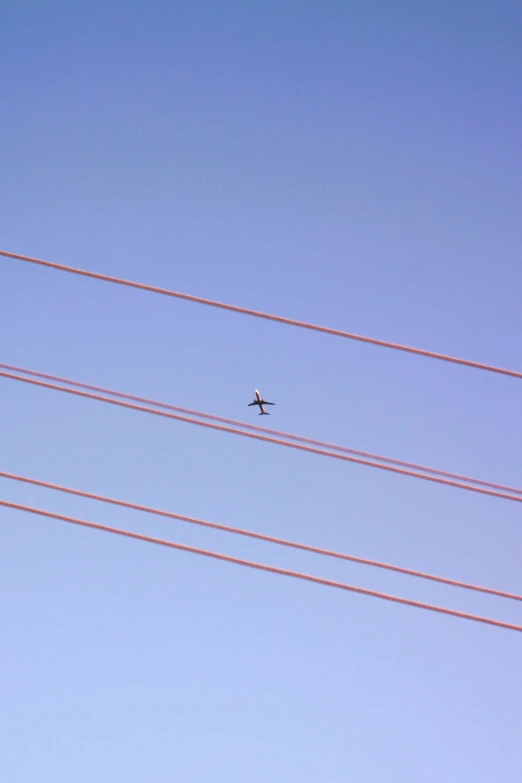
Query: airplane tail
(264, 413)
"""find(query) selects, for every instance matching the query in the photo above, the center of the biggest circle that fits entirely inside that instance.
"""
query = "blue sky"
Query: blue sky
(349, 165)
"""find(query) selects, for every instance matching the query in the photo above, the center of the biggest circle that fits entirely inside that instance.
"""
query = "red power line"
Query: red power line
(266, 316)
(265, 438)
(266, 430)
(259, 536)
(263, 567)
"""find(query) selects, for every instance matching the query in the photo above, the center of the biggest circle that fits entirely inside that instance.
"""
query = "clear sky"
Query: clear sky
(353, 164)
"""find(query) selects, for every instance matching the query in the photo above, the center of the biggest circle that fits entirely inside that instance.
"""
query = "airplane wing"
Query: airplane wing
(268, 403)
(252, 403)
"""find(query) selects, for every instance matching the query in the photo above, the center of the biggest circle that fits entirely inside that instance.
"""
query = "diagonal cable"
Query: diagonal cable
(263, 567)
(259, 536)
(265, 438)
(266, 430)
(267, 316)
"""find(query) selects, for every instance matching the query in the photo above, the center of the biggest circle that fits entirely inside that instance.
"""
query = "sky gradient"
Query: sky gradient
(353, 166)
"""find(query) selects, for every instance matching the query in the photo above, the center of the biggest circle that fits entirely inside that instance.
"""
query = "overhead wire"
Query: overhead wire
(260, 314)
(265, 438)
(258, 536)
(262, 566)
(299, 439)
(266, 430)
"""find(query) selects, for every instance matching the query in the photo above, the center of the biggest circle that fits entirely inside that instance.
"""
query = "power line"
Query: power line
(265, 438)
(258, 536)
(266, 430)
(266, 316)
(262, 566)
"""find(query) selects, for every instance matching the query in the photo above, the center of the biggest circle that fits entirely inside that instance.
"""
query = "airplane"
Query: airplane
(260, 401)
